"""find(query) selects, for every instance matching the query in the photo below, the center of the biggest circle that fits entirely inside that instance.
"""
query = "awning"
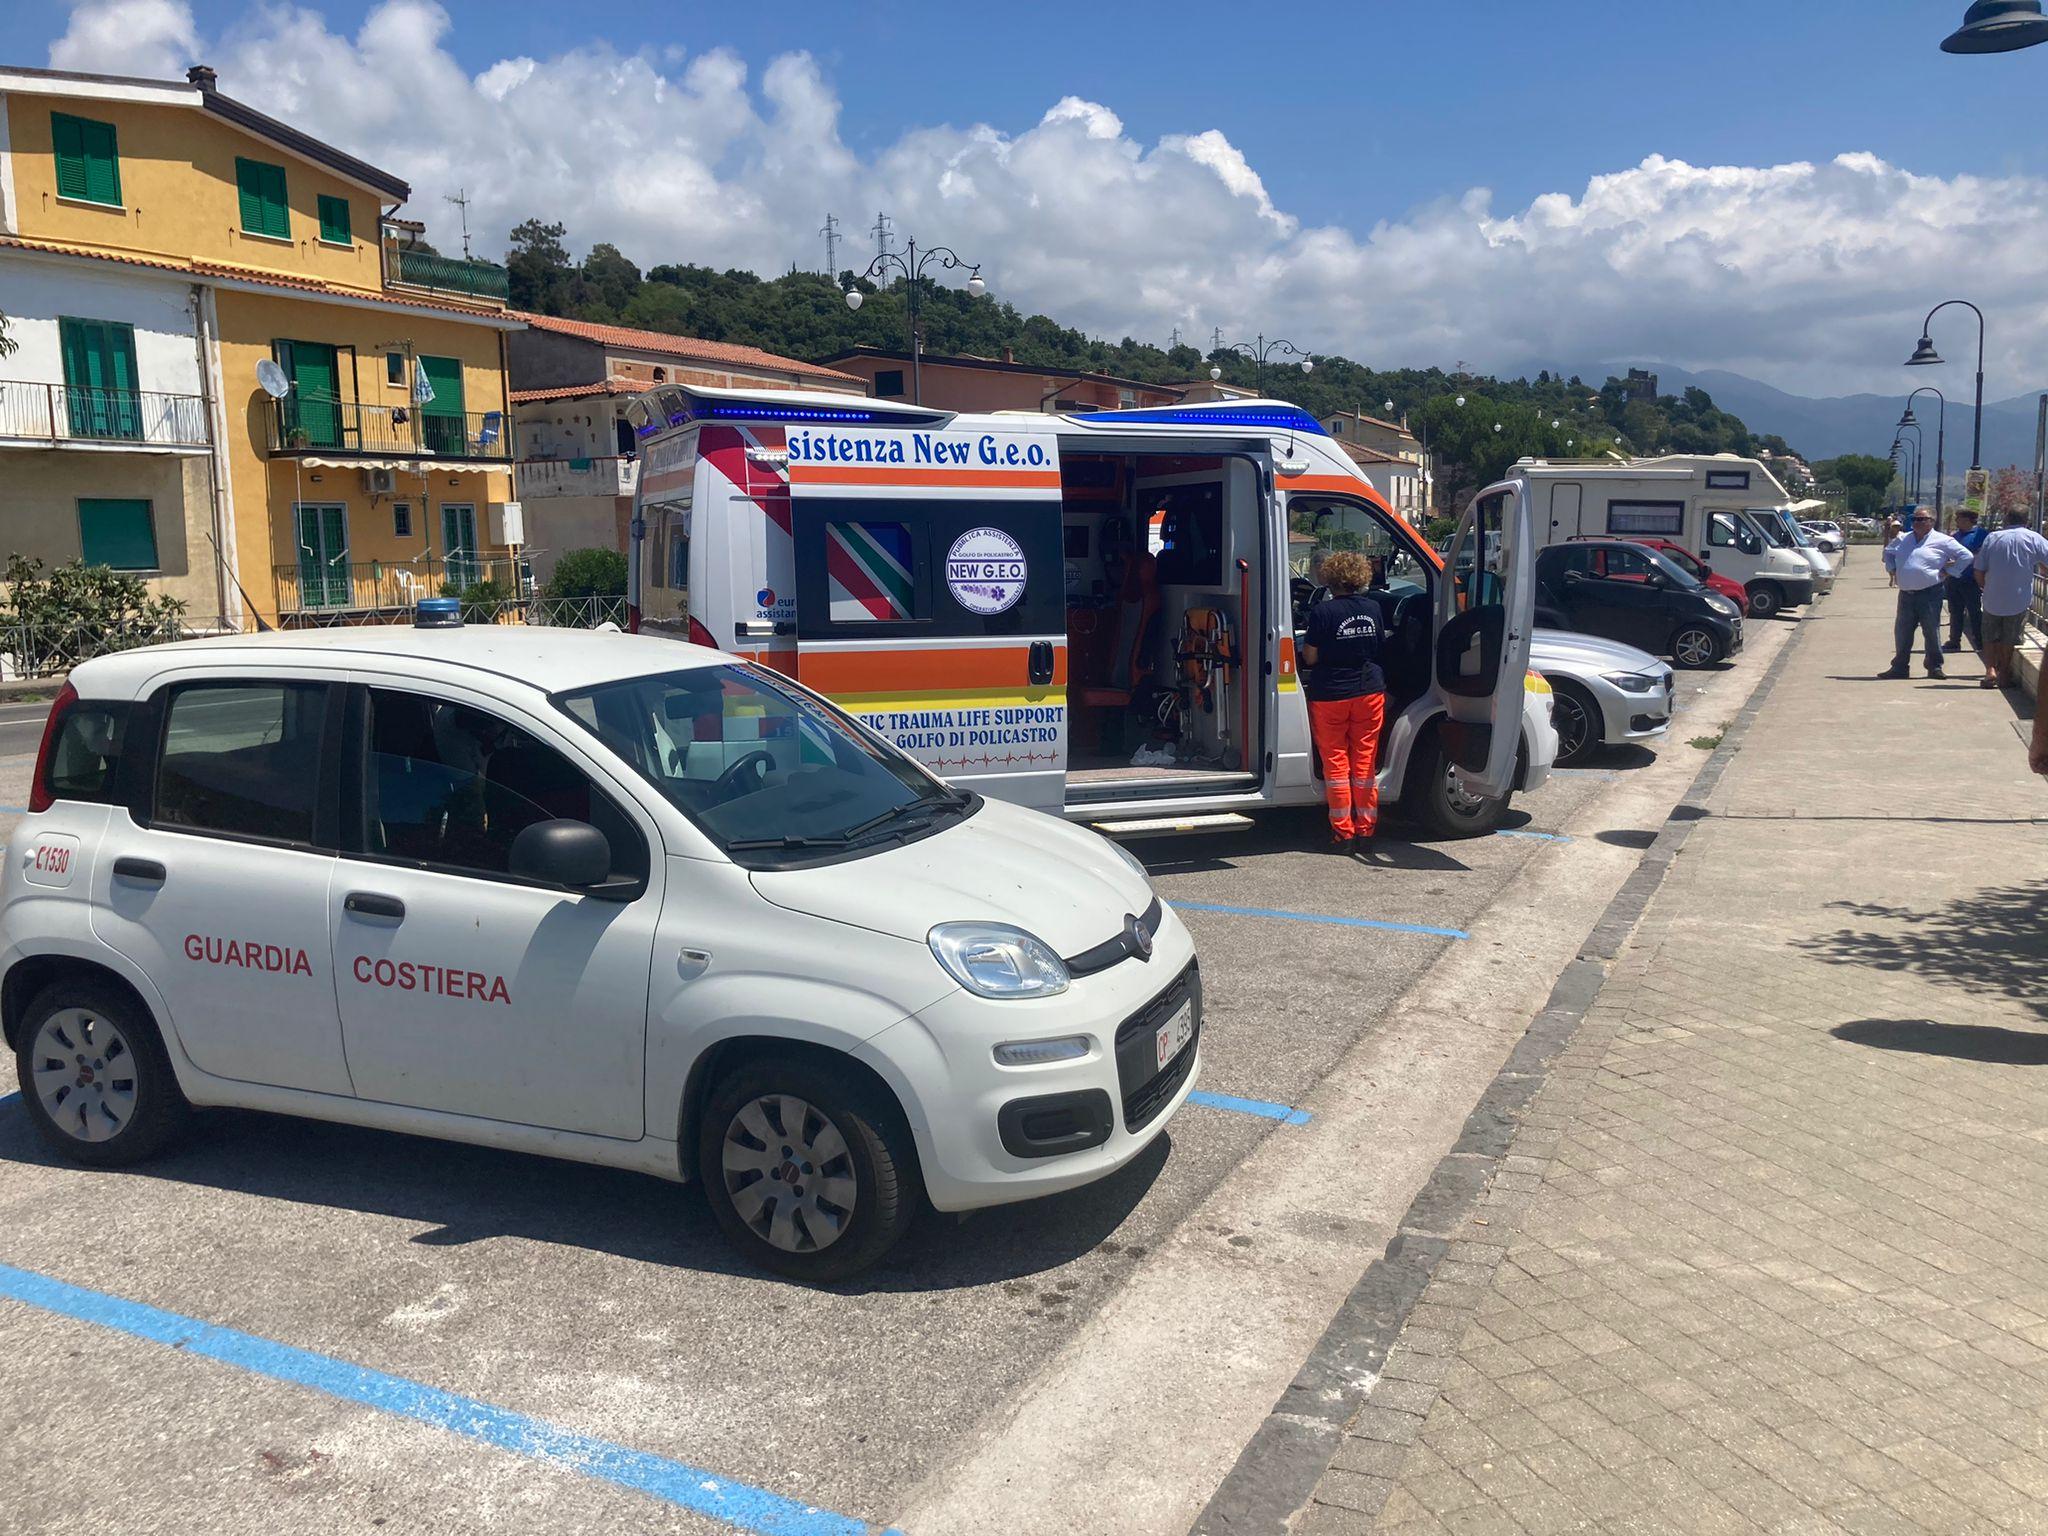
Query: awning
(421, 467)
(1811, 504)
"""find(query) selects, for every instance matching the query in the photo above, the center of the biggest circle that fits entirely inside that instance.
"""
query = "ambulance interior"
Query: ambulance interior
(1163, 556)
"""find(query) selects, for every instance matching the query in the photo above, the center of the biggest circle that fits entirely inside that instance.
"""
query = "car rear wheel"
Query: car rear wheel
(94, 1075)
(1695, 646)
(1577, 720)
(809, 1174)
(1765, 600)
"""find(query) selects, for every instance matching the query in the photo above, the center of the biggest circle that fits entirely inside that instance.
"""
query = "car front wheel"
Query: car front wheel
(1764, 601)
(1577, 720)
(98, 1086)
(810, 1174)
(1437, 800)
(1695, 646)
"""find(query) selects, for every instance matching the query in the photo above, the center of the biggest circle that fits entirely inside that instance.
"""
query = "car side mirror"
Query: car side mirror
(561, 852)
(1653, 578)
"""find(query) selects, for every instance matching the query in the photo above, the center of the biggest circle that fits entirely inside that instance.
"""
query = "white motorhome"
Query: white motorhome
(1091, 614)
(1723, 508)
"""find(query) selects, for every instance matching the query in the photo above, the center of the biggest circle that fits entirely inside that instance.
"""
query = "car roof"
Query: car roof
(532, 656)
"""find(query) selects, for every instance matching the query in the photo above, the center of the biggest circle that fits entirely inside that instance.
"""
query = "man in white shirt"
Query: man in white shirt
(2006, 562)
(1918, 560)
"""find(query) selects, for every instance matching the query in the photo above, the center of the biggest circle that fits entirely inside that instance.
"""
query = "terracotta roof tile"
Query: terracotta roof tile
(730, 354)
(279, 280)
(611, 386)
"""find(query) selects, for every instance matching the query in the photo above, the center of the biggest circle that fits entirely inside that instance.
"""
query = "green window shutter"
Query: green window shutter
(88, 162)
(117, 532)
(334, 226)
(259, 189)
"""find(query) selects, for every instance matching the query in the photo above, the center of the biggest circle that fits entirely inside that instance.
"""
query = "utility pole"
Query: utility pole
(461, 200)
(881, 232)
(1173, 342)
(1216, 339)
(831, 234)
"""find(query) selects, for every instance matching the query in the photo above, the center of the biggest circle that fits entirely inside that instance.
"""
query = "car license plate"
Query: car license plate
(1175, 1033)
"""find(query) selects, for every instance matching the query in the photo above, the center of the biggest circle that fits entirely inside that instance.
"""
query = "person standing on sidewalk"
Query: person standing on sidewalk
(2006, 562)
(1965, 614)
(1346, 695)
(1918, 561)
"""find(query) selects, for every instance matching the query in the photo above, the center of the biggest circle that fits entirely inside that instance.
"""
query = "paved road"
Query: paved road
(606, 1302)
(21, 727)
(1766, 1255)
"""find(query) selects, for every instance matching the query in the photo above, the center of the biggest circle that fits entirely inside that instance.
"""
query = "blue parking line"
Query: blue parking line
(1320, 917)
(1546, 837)
(674, 1482)
(1265, 1109)
(13, 810)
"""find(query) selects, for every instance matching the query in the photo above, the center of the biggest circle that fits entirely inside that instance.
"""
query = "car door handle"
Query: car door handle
(141, 871)
(370, 904)
(1040, 662)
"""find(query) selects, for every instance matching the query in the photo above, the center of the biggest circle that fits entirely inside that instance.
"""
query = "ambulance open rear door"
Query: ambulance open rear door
(1485, 611)
(931, 596)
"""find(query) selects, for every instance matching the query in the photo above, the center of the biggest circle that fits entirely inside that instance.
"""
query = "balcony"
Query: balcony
(608, 476)
(299, 425)
(59, 415)
(453, 275)
(316, 590)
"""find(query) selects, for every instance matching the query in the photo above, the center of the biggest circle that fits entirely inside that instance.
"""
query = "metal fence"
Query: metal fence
(52, 648)
(315, 424)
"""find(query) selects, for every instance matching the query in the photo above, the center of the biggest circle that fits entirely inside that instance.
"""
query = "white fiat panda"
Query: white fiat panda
(612, 899)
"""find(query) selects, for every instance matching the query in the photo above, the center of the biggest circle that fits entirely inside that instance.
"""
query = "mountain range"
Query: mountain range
(1823, 428)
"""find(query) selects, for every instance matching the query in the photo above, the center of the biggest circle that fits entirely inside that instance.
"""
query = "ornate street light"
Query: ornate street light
(1924, 354)
(1998, 26)
(1258, 352)
(913, 265)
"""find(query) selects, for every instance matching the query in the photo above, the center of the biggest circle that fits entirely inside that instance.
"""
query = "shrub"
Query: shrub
(587, 573)
(53, 619)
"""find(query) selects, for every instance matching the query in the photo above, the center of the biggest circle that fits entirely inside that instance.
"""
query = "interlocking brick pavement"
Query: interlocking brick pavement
(1769, 1250)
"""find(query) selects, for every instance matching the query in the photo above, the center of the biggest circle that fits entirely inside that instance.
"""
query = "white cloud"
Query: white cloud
(1811, 275)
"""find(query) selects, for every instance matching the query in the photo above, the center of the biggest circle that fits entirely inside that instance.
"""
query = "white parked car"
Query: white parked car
(613, 899)
(1603, 693)
(1827, 536)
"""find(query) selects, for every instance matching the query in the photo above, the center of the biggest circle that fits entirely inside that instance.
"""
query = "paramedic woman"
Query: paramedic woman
(1346, 695)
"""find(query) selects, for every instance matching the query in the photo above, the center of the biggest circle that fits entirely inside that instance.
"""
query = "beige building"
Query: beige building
(570, 383)
(1392, 458)
(954, 382)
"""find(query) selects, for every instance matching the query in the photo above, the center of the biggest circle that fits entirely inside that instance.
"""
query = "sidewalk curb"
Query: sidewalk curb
(1277, 1472)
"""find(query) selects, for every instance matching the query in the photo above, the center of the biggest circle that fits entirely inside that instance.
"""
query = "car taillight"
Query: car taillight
(39, 796)
(699, 635)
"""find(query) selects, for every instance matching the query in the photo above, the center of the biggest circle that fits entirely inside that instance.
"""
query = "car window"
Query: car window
(758, 765)
(1317, 529)
(1626, 564)
(450, 786)
(242, 759)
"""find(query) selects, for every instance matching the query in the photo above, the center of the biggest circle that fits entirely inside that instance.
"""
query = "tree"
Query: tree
(2009, 493)
(587, 573)
(608, 281)
(55, 619)
(537, 267)
(1863, 478)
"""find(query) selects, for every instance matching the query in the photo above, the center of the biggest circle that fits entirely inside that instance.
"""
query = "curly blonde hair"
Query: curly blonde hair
(1346, 571)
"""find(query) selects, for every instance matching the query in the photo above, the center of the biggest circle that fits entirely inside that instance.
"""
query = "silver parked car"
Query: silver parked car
(1604, 693)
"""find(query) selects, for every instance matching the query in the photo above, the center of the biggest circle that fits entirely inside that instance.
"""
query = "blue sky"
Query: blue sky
(1310, 168)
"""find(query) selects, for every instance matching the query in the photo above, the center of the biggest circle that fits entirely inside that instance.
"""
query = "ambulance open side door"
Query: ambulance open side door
(1485, 611)
(931, 595)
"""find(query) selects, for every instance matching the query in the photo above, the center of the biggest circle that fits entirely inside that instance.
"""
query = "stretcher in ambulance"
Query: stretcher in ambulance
(1089, 614)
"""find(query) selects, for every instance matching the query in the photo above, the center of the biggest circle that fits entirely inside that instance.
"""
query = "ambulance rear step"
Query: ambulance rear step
(1170, 826)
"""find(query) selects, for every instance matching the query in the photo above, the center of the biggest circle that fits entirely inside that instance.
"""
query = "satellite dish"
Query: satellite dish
(272, 378)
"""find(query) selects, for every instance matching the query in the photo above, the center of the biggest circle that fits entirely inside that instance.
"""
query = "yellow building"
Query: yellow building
(235, 370)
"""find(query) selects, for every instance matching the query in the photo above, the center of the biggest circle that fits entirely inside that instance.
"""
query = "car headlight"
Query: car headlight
(1723, 606)
(996, 960)
(1634, 682)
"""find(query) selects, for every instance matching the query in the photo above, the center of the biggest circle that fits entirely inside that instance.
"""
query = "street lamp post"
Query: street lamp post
(1940, 439)
(1909, 472)
(1998, 26)
(1919, 447)
(912, 264)
(1924, 354)
(1258, 352)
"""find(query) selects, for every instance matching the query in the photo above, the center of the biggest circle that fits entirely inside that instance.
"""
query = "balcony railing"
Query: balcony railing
(60, 413)
(608, 476)
(301, 424)
(365, 588)
(445, 274)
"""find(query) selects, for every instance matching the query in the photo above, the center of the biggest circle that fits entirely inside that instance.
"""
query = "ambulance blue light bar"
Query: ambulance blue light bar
(792, 415)
(1290, 418)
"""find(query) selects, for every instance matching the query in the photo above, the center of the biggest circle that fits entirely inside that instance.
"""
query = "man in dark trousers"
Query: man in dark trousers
(1918, 561)
(1965, 600)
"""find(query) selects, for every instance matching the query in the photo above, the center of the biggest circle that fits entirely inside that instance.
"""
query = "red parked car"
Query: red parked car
(1687, 562)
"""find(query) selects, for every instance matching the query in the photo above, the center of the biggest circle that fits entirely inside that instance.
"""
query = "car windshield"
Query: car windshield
(1674, 573)
(1683, 561)
(765, 769)
(1770, 527)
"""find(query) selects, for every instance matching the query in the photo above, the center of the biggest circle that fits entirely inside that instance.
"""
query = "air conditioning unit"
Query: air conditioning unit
(380, 482)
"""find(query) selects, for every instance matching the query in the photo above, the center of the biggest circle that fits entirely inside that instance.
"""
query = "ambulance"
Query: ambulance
(1094, 615)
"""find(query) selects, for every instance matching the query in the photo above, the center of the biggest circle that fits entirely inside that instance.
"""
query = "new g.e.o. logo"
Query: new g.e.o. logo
(985, 571)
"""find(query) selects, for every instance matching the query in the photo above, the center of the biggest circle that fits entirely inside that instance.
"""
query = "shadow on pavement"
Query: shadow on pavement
(471, 1194)
(1965, 1042)
(1627, 837)
(1296, 830)
(1992, 942)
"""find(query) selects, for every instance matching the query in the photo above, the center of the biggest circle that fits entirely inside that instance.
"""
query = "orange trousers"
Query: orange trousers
(1347, 733)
